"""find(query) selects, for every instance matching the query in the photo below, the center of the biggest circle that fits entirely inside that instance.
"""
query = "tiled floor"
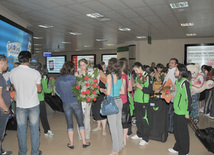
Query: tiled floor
(101, 145)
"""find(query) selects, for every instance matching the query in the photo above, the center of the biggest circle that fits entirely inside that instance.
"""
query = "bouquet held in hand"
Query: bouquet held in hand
(86, 88)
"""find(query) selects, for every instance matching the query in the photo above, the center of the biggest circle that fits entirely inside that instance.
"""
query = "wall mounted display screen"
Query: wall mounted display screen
(14, 39)
(55, 63)
(91, 58)
(106, 57)
(200, 54)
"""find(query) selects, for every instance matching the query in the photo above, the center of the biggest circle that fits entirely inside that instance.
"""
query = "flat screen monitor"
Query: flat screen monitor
(201, 54)
(106, 57)
(55, 63)
(91, 58)
(14, 39)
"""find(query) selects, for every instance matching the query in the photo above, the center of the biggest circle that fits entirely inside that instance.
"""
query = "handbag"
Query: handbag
(126, 116)
(108, 106)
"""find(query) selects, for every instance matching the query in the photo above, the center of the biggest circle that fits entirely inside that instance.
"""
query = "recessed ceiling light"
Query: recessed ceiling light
(86, 46)
(101, 39)
(124, 29)
(110, 44)
(179, 5)
(94, 15)
(46, 26)
(66, 42)
(37, 49)
(187, 24)
(75, 33)
(37, 44)
(37, 37)
(191, 34)
(141, 37)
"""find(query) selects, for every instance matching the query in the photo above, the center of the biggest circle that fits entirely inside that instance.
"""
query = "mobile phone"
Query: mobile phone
(51, 64)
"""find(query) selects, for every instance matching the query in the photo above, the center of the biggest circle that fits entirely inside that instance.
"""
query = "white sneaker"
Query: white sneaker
(135, 137)
(201, 110)
(207, 115)
(143, 142)
(49, 133)
(171, 150)
(211, 117)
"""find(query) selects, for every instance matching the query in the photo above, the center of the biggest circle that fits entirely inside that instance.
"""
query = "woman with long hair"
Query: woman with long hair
(96, 106)
(142, 107)
(86, 107)
(64, 84)
(126, 84)
(115, 119)
(182, 106)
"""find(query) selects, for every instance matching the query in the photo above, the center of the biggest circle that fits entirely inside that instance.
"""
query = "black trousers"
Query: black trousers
(43, 116)
(181, 134)
(143, 120)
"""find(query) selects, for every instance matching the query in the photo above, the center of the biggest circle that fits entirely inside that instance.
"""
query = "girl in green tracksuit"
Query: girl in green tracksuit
(182, 105)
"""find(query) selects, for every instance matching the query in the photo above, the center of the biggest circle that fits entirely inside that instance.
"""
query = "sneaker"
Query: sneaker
(96, 129)
(49, 133)
(171, 150)
(143, 142)
(135, 137)
(207, 115)
(211, 117)
(6, 152)
(201, 110)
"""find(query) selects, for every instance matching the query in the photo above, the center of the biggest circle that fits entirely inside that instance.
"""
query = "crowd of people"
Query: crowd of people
(117, 81)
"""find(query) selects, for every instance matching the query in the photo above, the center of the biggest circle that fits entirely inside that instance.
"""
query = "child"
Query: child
(182, 105)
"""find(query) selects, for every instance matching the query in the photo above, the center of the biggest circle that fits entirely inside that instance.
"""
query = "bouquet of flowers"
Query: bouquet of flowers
(168, 90)
(52, 85)
(86, 88)
(140, 79)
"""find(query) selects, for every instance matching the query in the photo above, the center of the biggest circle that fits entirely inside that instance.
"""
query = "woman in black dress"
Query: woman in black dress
(96, 106)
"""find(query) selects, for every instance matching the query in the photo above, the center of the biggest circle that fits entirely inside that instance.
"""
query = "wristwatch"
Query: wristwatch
(7, 112)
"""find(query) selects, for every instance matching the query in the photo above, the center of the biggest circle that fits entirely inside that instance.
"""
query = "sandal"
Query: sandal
(70, 146)
(86, 145)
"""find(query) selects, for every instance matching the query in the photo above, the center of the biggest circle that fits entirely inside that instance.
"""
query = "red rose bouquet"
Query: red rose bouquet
(140, 79)
(86, 88)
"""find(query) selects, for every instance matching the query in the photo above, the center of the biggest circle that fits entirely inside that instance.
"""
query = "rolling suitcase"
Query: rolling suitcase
(54, 102)
(206, 136)
(159, 119)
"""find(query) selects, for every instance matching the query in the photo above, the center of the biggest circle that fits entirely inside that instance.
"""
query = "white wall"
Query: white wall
(160, 51)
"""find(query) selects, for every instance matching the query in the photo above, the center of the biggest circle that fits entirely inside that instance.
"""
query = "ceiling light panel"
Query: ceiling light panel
(37, 37)
(46, 26)
(94, 15)
(101, 40)
(179, 5)
(75, 33)
(187, 24)
(191, 34)
(141, 37)
(124, 29)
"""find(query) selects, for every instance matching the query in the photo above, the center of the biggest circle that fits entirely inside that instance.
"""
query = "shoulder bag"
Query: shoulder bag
(108, 106)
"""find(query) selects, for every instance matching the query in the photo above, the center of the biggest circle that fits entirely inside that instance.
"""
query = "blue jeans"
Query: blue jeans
(3, 122)
(212, 105)
(76, 107)
(22, 116)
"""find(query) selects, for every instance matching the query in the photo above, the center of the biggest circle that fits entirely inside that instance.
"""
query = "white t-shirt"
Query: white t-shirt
(25, 80)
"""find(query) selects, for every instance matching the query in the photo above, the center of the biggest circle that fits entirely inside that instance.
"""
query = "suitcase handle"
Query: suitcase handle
(196, 129)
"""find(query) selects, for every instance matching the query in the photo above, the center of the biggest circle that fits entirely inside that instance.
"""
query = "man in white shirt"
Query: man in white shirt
(170, 75)
(27, 83)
